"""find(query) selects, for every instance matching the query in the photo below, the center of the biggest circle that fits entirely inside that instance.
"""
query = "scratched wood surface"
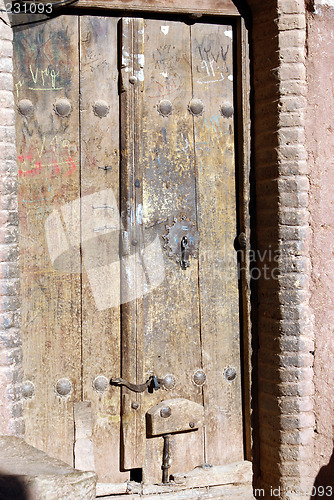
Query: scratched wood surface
(100, 225)
(212, 56)
(133, 420)
(46, 69)
(168, 314)
(212, 7)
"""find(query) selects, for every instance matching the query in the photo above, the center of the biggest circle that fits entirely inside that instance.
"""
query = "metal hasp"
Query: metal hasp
(185, 262)
(152, 384)
(166, 459)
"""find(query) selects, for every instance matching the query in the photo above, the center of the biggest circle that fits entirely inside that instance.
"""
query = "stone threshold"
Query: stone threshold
(26, 472)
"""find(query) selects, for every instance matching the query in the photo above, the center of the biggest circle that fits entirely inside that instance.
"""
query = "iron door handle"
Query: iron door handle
(153, 383)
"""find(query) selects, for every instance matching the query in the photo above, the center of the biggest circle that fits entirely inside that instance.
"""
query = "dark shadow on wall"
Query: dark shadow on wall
(12, 488)
(324, 482)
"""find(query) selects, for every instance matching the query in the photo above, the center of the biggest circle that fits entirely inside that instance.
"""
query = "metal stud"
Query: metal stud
(137, 183)
(101, 108)
(226, 109)
(196, 107)
(135, 405)
(230, 373)
(63, 107)
(169, 382)
(28, 389)
(100, 383)
(199, 377)
(25, 107)
(165, 107)
(63, 387)
(165, 412)
(133, 79)
(242, 240)
(191, 425)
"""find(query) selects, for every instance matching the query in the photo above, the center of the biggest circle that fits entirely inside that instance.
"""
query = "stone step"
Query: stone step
(29, 473)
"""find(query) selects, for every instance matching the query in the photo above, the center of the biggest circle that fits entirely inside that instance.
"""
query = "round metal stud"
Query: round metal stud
(169, 382)
(101, 108)
(63, 107)
(191, 425)
(134, 243)
(199, 377)
(230, 373)
(135, 405)
(100, 383)
(133, 79)
(196, 107)
(242, 240)
(165, 412)
(28, 389)
(165, 107)
(25, 107)
(226, 109)
(137, 183)
(63, 387)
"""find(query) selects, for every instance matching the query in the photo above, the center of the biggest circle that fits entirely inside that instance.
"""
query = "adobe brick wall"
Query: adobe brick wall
(320, 145)
(284, 328)
(11, 407)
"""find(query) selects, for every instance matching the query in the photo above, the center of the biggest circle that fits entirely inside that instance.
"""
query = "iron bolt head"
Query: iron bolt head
(169, 382)
(134, 242)
(226, 109)
(191, 425)
(199, 377)
(133, 79)
(135, 405)
(230, 374)
(165, 107)
(100, 383)
(166, 412)
(196, 107)
(28, 389)
(101, 108)
(63, 387)
(25, 107)
(63, 107)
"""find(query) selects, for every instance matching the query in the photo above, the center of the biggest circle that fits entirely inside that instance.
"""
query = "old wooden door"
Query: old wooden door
(128, 219)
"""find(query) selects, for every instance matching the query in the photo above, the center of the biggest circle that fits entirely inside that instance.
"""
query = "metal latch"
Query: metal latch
(152, 384)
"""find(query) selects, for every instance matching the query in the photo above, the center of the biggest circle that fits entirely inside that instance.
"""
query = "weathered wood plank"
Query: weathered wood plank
(100, 225)
(171, 311)
(46, 70)
(212, 56)
(133, 419)
(244, 154)
(212, 7)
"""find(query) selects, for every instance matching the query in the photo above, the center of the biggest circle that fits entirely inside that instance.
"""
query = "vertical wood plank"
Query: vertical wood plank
(171, 311)
(133, 420)
(244, 171)
(100, 226)
(212, 61)
(46, 70)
